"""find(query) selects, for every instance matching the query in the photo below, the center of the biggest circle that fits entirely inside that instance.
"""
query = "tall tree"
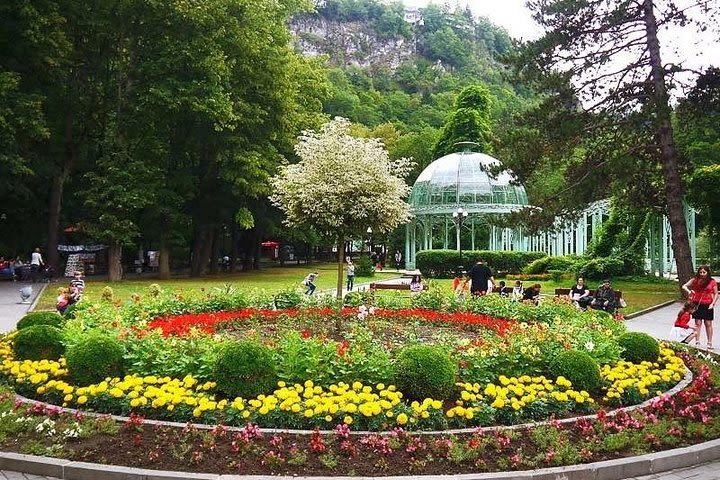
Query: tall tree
(341, 186)
(469, 122)
(609, 55)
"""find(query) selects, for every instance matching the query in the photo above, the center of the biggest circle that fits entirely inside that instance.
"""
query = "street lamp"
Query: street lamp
(370, 245)
(459, 217)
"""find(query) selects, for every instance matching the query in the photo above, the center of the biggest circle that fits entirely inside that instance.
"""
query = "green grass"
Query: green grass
(271, 279)
(638, 293)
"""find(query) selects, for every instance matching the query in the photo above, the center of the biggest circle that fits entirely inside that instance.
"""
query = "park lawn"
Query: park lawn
(271, 279)
(639, 294)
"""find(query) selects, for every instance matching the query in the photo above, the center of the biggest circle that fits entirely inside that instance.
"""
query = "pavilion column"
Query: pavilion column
(690, 219)
(445, 243)
(430, 235)
(472, 234)
(407, 243)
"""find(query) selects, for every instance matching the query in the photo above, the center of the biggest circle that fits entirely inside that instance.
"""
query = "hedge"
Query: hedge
(444, 263)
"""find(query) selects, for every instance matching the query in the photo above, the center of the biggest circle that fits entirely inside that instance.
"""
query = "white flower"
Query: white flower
(371, 311)
(589, 345)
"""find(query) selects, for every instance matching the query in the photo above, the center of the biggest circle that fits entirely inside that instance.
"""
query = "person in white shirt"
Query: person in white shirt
(36, 261)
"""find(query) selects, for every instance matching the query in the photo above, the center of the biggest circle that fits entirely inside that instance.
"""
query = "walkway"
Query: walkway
(657, 323)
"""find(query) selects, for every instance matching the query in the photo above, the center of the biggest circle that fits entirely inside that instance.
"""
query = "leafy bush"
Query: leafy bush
(578, 367)
(598, 268)
(40, 318)
(357, 298)
(568, 263)
(288, 298)
(364, 266)
(108, 294)
(639, 347)
(423, 371)
(94, 358)
(71, 311)
(444, 263)
(38, 342)
(245, 369)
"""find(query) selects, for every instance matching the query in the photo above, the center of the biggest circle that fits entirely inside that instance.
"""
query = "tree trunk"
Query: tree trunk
(200, 252)
(341, 261)
(56, 193)
(668, 153)
(215, 250)
(164, 260)
(114, 261)
(234, 248)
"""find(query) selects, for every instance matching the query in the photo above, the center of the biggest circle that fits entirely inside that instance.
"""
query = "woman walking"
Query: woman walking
(702, 291)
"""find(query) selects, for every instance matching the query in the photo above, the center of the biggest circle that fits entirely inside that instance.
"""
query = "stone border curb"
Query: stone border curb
(630, 316)
(37, 298)
(617, 469)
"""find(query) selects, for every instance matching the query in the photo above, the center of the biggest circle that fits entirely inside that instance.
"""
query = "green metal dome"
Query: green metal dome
(467, 180)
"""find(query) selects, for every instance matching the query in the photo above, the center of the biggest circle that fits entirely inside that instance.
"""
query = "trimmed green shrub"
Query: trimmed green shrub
(568, 263)
(578, 367)
(70, 312)
(38, 342)
(245, 369)
(40, 318)
(289, 298)
(444, 263)
(364, 266)
(639, 347)
(94, 358)
(423, 371)
(357, 298)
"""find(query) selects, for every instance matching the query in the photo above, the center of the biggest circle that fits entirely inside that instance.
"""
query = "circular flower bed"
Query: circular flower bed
(338, 366)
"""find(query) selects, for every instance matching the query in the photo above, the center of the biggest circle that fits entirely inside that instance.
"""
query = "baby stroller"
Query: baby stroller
(48, 274)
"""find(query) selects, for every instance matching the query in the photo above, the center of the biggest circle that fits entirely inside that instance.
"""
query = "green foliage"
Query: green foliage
(173, 357)
(40, 318)
(639, 347)
(288, 298)
(444, 263)
(38, 342)
(364, 266)
(423, 371)
(568, 263)
(244, 369)
(469, 122)
(599, 268)
(578, 367)
(357, 298)
(107, 295)
(94, 358)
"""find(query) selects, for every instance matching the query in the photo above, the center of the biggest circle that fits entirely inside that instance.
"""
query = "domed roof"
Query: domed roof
(467, 180)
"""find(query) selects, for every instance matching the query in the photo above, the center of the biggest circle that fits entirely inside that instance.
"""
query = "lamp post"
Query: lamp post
(370, 245)
(459, 217)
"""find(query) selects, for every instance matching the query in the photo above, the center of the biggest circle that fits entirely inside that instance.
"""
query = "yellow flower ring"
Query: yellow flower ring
(349, 404)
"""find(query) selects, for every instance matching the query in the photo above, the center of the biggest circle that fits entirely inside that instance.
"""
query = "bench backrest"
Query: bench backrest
(559, 292)
(393, 286)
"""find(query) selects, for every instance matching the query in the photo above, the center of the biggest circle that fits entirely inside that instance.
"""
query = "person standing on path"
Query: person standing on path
(480, 274)
(398, 259)
(350, 275)
(702, 291)
(36, 262)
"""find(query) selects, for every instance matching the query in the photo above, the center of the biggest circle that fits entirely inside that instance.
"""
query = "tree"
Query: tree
(605, 56)
(341, 186)
(469, 122)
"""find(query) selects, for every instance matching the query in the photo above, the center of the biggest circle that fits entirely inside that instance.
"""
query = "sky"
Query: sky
(695, 50)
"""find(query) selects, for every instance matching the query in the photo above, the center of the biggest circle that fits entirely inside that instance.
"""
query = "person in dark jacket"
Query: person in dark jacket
(604, 298)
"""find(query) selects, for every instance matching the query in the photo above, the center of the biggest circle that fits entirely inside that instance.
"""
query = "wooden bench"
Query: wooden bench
(564, 292)
(393, 286)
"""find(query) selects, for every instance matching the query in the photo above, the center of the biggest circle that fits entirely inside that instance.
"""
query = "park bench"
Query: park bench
(393, 286)
(564, 292)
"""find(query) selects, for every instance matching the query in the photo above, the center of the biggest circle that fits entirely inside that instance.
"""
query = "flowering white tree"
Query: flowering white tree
(342, 185)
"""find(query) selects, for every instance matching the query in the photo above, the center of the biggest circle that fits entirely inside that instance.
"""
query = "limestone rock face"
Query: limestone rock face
(350, 43)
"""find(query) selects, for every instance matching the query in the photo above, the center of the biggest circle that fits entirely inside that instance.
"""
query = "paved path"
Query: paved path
(657, 323)
(11, 310)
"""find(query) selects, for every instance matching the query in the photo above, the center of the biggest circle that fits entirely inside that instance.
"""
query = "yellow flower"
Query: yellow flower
(402, 419)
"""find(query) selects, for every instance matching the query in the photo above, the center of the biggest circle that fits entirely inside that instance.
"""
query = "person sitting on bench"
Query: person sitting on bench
(580, 294)
(416, 285)
(604, 298)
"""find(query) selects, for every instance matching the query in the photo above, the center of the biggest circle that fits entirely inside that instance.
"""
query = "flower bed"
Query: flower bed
(689, 417)
(497, 370)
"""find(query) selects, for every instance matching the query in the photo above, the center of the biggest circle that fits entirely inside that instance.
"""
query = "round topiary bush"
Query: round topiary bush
(578, 367)
(422, 371)
(40, 318)
(288, 299)
(38, 342)
(245, 369)
(94, 358)
(639, 347)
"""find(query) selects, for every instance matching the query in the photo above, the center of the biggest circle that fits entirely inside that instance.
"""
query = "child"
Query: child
(460, 287)
(517, 292)
(310, 283)
(63, 300)
(504, 291)
(682, 331)
(416, 285)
